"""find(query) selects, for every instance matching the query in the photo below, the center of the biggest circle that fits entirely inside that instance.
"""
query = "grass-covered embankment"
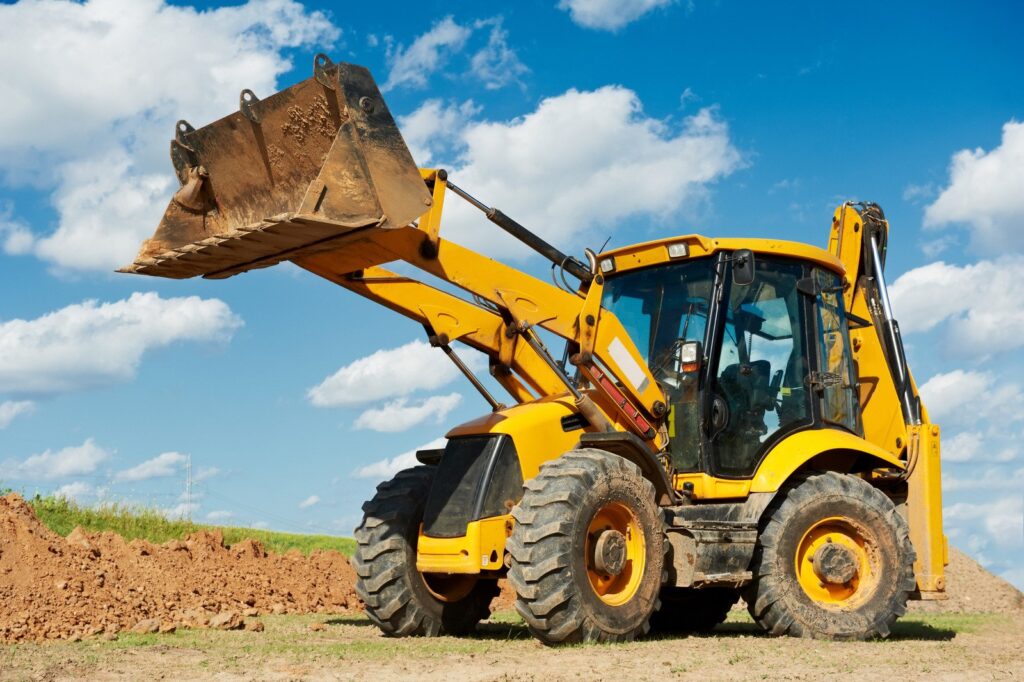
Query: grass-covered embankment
(130, 522)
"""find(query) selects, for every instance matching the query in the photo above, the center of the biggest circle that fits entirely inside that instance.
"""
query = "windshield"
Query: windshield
(662, 307)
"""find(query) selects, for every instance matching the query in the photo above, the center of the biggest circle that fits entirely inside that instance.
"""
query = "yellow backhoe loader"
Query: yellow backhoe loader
(730, 417)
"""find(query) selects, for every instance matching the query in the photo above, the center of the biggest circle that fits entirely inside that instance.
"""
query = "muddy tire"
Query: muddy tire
(685, 609)
(833, 561)
(587, 550)
(397, 597)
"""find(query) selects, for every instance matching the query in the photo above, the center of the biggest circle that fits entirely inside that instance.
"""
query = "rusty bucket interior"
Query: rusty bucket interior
(284, 176)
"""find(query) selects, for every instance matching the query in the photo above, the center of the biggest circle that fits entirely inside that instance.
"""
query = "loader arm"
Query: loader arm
(624, 389)
(894, 418)
(319, 174)
(449, 318)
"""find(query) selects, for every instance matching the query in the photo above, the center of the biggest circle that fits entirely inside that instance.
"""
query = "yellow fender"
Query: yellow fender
(831, 445)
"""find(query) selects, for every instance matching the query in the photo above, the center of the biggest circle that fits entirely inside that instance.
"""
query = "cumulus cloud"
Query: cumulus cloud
(92, 344)
(963, 447)
(436, 125)
(11, 409)
(979, 304)
(219, 516)
(164, 464)
(986, 193)
(384, 374)
(100, 91)
(412, 65)
(310, 501)
(962, 396)
(555, 168)
(182, 510)
(386, 468)
(74, 460)
(1002, 519)
(609, 15)
(496, 64)
(79, 491)
(401, 414)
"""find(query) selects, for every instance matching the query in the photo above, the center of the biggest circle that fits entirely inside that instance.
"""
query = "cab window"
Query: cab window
(760, 375)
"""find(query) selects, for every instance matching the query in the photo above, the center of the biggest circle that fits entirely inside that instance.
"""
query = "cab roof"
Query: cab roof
(656, 252)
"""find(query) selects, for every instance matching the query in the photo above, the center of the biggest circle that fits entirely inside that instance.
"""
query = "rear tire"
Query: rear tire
(685, 609)
(587, 550)
(397, 597)
(833, 561)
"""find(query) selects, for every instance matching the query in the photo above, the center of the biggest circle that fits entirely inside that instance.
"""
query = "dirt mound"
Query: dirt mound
(972, 589)
(92, 583)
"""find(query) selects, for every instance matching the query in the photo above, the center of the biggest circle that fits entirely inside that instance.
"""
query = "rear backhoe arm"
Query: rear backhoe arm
(893, 415)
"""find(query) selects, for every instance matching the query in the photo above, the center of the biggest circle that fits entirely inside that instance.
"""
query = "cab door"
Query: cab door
(759, 370)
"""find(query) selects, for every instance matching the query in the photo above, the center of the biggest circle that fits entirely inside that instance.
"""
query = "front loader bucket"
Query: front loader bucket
(285, 176)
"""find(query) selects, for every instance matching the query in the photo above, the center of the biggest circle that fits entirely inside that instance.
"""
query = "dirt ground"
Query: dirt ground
(92, 606)
(934, 647)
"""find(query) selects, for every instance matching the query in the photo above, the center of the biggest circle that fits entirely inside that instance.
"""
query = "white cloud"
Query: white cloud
(220, 516)
(963, 447)
(609, 15)
(991, 479)
(496, 64)
(400, 415)
(436, 126)
(986, 192)
(310, 501)
(100, 90)
(75, 460)
(182, 510)
(90, 344)
(164, 464)
(95, 195)
(15, 237)
(980, 304)
(79, 491)
(386, 468)
(555, 168)
(1002, 519)
(961, 396)
(412, 65)
(204, 473)
(383, 374)
(11, 409)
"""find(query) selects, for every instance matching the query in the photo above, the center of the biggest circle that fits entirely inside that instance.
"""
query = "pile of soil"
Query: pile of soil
(972, 589)
(97, 583)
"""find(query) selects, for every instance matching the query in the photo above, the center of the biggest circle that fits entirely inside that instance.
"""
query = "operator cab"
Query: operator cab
(747, 348)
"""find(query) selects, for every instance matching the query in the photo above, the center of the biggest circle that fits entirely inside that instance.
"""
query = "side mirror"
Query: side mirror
(689, 357)
(743, 267)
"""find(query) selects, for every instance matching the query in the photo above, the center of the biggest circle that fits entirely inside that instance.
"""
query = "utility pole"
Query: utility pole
(188, 486)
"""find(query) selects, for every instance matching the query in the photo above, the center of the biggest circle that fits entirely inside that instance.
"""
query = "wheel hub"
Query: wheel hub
(835, 563)
(610, 552)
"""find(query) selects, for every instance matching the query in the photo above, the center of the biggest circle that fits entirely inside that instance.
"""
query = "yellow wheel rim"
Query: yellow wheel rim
(615, 520)
(449, 588)
(837, 563)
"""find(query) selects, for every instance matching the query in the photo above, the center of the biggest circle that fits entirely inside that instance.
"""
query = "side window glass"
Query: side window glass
(760, 378)
(839, 400)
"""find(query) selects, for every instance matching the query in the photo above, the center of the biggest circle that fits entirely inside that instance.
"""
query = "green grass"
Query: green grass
(62, 516)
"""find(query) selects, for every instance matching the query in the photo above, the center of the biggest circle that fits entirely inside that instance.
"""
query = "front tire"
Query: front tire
(587, 550)
(400, 600)
(833, 561)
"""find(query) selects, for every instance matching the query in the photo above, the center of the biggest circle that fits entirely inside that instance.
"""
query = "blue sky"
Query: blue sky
(586, 120)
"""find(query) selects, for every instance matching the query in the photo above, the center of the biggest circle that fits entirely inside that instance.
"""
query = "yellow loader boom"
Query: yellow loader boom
(729, 416)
